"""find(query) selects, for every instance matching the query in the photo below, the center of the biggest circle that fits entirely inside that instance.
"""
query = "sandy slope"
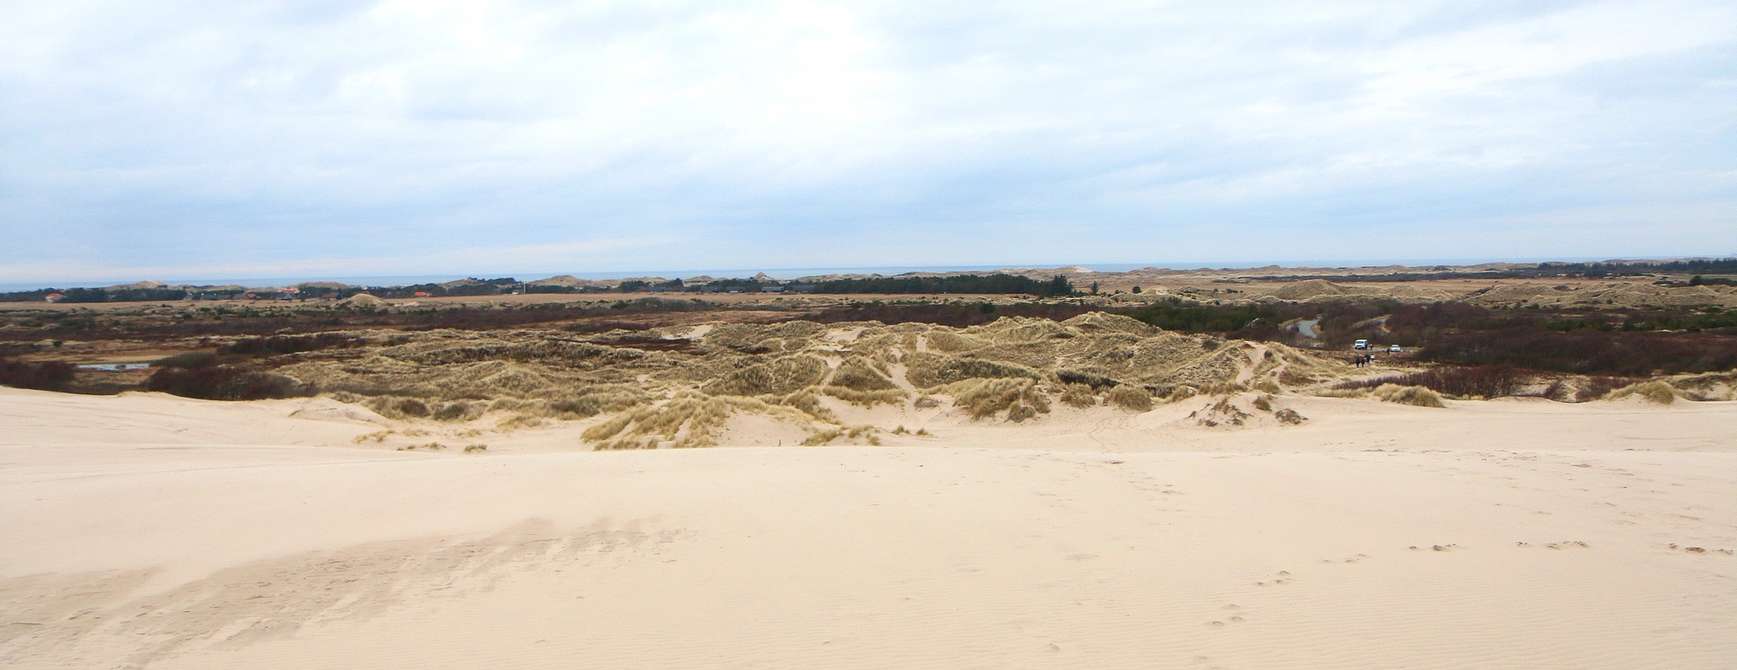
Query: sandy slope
(146, 531)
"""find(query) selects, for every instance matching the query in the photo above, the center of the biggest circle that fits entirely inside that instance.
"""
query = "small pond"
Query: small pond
(113, 367)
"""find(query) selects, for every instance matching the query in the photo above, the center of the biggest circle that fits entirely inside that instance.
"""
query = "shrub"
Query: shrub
(289, 344)
(1486, 381)
(519, 421)
(1095, 381)
(1222, 412)
(188, 360)
(1289, 417)
(1180, 393)
(224, 382)
(944, 314)
(394, 407)
(984, 398)
(1595, 388)
(931, 370)
(1654, 392)
(1408, 395)
(1131, 398)
(1588, 351)
(456, 411)
(856, 374)
(1078, 395)
(608, 428)
(46, 376)
(781, 376)
(892, 396)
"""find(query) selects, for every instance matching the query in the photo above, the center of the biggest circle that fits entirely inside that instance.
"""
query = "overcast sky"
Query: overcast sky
(256, 139)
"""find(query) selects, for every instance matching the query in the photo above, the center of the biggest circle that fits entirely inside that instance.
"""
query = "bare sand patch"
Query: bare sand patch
(170, 533)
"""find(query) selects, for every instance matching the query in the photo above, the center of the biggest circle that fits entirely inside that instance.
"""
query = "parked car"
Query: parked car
(1393, 348)
(1360, 345)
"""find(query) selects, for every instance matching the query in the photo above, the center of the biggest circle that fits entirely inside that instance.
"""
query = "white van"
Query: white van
(1360, 345)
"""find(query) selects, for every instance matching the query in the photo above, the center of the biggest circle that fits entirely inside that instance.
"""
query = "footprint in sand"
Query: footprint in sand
(1282, 577)
(1233, 618)
(1702, 550)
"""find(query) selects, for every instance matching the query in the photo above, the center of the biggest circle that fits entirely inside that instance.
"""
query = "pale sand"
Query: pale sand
(147, 531)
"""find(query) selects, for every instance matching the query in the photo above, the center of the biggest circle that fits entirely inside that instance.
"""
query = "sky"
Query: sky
(166, 139)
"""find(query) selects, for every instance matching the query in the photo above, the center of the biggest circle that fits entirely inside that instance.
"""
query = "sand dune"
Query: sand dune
(149, 531)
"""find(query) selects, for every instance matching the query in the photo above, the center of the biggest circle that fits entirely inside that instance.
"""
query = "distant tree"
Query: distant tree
(994, 283)
(1136, 289)
(1094, 288)
(1697, 280)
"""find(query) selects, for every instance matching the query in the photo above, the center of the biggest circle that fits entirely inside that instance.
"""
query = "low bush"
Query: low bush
(1408, 395)
(224, 382)
(1131, 398)
(1588, 352)
(985, 398)
(290, 344)
(1078, 395)
(853, 396)
(457, 411)
(858, 375)
(781, 376)
(46, 376)
(1653, 392)
(1595, 388)
(1483, 381)
(1095, 381)
(188, 360)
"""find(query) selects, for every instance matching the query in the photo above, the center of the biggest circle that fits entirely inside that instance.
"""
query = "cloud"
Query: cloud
(177, 138)
(481, 258)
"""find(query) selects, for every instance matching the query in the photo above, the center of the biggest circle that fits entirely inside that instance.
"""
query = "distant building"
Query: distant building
(422, 294)
(771, 289)
(54, 297)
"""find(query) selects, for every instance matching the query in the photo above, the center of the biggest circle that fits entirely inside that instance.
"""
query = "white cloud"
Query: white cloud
(403, 128)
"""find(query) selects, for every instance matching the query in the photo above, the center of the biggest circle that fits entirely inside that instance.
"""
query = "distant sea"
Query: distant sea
(777, 273)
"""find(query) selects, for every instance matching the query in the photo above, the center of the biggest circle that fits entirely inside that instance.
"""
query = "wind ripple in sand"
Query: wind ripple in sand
(277, 597)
